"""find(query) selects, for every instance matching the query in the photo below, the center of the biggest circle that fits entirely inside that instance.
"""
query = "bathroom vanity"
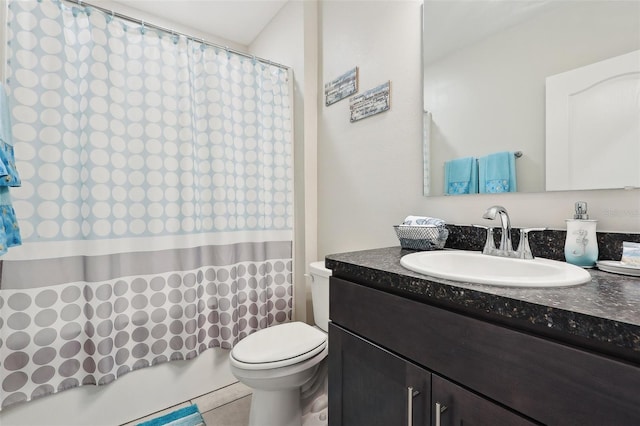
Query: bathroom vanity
(407, 349)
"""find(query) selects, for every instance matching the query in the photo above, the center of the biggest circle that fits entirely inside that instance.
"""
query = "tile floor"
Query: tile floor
(228, 406)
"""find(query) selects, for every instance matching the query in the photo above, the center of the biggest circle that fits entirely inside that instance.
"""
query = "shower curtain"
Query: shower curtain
(156, 204)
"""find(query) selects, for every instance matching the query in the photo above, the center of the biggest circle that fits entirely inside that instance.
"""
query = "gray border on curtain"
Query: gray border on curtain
(25, 274)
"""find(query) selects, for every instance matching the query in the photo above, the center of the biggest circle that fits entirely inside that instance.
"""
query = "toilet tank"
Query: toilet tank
(320, 294)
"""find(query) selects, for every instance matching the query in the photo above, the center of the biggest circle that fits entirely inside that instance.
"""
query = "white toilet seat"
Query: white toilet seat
(277, 364)
(277, 347)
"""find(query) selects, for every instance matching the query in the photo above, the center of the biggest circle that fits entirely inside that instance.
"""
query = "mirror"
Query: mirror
(485, 65)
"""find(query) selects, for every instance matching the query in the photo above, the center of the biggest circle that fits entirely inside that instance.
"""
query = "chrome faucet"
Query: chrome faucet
(506, 246)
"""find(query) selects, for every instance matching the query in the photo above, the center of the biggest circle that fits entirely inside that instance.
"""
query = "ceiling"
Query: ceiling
(239, 21)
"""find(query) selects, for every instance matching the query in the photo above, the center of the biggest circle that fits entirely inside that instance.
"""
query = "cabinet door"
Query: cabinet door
(453, 405)
(371, 386)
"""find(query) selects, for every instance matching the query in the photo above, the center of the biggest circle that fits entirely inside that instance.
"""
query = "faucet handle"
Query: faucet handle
(489, 244)
(527, 230)
(524, 249)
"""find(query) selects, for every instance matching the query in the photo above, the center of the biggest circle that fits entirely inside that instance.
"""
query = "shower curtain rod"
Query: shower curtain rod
(173, 32)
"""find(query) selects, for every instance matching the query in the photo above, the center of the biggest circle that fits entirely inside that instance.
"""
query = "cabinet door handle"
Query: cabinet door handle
(410, 394)
(440, 408)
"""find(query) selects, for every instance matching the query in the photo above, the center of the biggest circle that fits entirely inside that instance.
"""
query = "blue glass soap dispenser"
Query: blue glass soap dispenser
(581, 245)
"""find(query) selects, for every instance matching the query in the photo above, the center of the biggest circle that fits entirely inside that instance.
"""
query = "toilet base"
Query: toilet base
(275, 408)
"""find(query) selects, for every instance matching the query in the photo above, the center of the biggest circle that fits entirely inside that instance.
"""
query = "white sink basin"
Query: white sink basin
(478, 268)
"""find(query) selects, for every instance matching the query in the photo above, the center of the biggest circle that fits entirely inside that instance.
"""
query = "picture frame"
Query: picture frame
(371, 102)
(341, 87)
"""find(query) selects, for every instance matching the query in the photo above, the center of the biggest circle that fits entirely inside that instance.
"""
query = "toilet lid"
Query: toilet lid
(279, 343)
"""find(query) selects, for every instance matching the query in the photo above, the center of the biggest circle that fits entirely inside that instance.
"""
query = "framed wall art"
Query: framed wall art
(341, 87)
(371, 102)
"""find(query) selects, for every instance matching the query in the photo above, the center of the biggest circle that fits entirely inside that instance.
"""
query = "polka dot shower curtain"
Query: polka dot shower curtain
(156, 201)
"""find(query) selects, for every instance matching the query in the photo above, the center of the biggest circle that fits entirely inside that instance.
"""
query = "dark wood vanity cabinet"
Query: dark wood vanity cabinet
(377, 388)
(374, 387)
(461, 370)
(454, 405)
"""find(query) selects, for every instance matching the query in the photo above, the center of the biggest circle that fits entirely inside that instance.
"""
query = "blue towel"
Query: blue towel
(497, 173)
(8, 171)
(461, 176)
(5, 118)
(187, 416)
(9, 230)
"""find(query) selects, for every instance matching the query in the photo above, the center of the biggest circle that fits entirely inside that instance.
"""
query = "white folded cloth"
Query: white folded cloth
(422, 221)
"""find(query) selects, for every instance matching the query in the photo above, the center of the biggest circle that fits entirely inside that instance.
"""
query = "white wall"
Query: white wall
(291, 39)
(370, 172)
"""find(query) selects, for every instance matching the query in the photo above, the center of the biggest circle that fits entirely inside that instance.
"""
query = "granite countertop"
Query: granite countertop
(602, 315)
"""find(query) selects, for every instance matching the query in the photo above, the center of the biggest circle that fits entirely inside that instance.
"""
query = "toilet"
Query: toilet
(276, 361)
